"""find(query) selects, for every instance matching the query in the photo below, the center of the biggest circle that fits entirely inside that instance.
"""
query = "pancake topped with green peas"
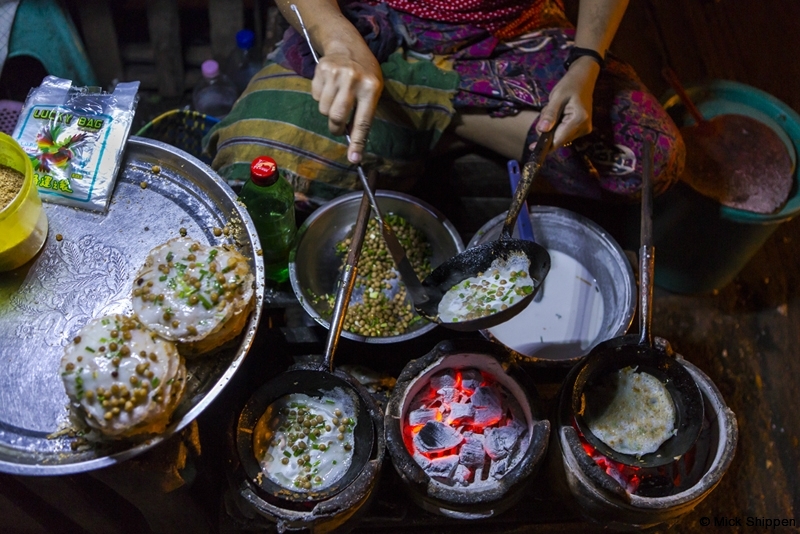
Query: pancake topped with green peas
(121, 378)
(196, 295)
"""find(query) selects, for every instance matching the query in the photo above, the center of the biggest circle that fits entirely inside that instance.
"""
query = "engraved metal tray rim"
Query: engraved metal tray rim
(38, 316)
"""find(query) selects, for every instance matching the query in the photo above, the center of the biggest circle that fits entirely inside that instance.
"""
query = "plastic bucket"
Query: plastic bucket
(700, 244)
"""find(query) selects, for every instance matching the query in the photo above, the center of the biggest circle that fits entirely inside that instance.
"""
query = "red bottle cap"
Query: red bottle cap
(264, 171)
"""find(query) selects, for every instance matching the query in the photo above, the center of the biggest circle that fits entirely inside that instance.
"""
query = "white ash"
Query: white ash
(471, 379)
(421, 416)
(459, 412)
(443, 379)
(442, 467)
(462, 475)
(472, 453)
(421, 459)
(487, 416)
(498, 468)
(485, 397)
(449, 395)
(500, 442)
(471, 433)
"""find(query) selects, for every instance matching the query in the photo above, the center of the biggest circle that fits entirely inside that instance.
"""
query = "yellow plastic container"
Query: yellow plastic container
(23, 223)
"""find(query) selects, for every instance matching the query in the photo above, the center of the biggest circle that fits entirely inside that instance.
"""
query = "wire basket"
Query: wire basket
(181, 128)
(9, 115)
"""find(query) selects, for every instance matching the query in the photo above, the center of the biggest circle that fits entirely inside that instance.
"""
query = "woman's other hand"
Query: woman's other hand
(570, 107)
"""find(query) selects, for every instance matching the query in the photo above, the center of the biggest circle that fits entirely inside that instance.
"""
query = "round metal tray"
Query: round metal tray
(85, 270)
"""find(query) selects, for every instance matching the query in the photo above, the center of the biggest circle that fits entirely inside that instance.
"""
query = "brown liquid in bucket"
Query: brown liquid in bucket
(736, 160)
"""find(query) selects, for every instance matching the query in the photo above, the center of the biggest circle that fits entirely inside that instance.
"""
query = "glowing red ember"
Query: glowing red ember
(632, 477)
(464, 427)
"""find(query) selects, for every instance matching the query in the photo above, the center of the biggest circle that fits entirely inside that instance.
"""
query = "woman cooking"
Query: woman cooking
(404, 73)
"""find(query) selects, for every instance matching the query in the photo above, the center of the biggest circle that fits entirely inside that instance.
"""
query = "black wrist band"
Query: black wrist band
(576, 52)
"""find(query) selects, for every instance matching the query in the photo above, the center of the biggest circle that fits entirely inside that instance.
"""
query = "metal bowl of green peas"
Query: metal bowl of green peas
(379, 310)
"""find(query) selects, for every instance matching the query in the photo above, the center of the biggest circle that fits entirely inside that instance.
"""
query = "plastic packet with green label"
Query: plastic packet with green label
(75, 137)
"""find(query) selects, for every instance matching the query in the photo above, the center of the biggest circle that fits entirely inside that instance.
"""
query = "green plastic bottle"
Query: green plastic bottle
(270, 201)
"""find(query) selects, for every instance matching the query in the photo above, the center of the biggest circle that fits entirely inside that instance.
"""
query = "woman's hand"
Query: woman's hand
(348, 81)
(571, 98)
(570, 107)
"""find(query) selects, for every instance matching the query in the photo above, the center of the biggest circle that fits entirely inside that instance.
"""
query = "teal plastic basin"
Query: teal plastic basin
(700, 244)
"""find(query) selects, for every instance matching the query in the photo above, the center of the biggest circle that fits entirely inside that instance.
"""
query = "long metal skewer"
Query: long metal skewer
(415, 289)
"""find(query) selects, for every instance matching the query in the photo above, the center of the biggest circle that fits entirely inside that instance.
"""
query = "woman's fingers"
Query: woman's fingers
(569, 111)
(369, 91)
(343, 89)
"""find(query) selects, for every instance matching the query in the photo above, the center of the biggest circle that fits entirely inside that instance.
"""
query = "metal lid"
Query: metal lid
(264, 171)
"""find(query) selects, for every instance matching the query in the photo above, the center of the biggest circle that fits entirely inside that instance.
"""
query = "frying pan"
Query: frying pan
(640, 352)
(477, 260)
(425, 296)
(314, 379)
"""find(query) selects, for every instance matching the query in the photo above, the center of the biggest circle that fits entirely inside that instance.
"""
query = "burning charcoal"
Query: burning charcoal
(437, 437)
(460, 412)
(442, 467)
(499, 468)
(499, 442)
(518, 427)
(422, 460)
(448, 395)
(487, 416)
(462, 475)
(486, 397)
(421, 416)
(471, 379)
(443, 379)
(472, 453)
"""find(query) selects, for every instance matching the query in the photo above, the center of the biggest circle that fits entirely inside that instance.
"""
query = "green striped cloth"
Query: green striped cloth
(277, 116)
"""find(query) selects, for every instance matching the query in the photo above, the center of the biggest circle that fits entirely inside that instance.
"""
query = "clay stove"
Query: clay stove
(626, 497)
(463, 432)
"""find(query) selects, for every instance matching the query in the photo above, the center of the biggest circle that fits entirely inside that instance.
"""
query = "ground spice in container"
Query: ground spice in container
(10, 185)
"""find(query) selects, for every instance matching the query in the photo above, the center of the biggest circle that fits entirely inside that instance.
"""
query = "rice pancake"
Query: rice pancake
(121, 378)
(196, 295)
(631, 412)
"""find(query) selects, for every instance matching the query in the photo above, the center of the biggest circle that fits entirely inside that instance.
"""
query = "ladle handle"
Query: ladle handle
(677, 86)
(646, 250)
(529, 172)
(347, 279)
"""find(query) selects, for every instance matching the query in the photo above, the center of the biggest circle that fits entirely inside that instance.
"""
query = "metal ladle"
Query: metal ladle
(314, 379)
(427, 295)
(642, 354)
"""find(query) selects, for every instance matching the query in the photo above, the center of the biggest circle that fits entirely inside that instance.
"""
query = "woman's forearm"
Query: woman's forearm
(330, 31)
(598, 21)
